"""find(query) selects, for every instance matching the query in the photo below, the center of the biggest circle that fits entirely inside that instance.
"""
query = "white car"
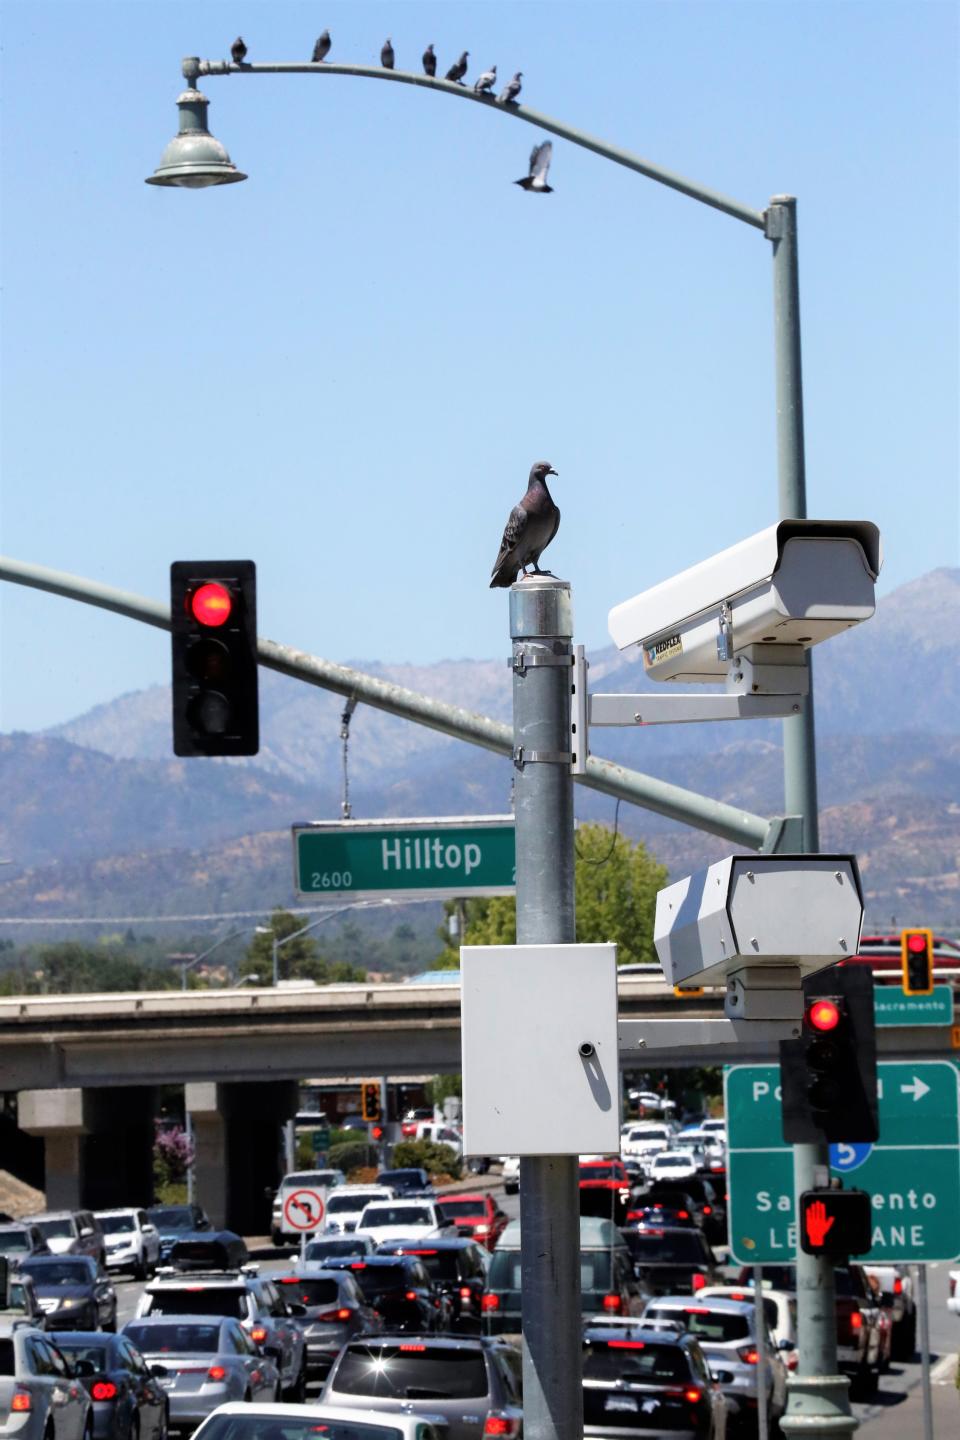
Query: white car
(781, 1311)
(441, 1135)
(511, 1174)
(644, 1140)
(403, 1220)
(132, 1242)
(673, 1165)
(39, 1397)
(347, 1203)
(299, 1422)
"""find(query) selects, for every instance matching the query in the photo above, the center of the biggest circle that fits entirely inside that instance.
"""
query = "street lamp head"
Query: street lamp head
(194, 159)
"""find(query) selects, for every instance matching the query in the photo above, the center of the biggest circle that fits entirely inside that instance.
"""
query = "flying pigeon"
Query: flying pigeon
(529, 530)
(459, 68)
(486, 81)
(386, 54)
(238, 51)
(540, 157)
(322, 48)
(508, 95)
(429, 61)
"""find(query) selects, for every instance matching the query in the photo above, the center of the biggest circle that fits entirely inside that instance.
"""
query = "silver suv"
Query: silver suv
(71, 1232)
(242, 1295)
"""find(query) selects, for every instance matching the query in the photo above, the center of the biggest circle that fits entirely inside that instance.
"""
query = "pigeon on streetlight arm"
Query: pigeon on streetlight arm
(238, 51)
(429, 62)
(322, 48)
(386, 54)
(459, 68)
(540, 157)
(486, 81)
(531, 526)
(508, 95)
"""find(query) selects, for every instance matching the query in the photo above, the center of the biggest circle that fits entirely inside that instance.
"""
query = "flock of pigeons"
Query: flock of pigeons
(540, 157)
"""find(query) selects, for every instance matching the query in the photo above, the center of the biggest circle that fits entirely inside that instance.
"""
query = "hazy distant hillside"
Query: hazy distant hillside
(108, 822)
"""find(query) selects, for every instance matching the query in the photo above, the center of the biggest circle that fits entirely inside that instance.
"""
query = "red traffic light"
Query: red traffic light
(824, 1015)
(917, 943)
(211, 604)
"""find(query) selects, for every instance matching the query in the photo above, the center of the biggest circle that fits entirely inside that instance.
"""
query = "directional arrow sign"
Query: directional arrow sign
(912, 1173)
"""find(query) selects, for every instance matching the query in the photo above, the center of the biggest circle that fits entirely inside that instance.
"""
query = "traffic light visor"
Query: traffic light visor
(211, 604)
(824, 1015)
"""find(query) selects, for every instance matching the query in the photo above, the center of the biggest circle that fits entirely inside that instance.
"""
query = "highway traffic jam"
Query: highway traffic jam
(391, 1309)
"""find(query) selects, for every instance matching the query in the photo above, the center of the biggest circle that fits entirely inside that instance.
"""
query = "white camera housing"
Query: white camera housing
(782, 590)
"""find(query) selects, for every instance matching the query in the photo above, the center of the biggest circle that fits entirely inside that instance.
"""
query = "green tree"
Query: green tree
(299, 959)
(616, 883)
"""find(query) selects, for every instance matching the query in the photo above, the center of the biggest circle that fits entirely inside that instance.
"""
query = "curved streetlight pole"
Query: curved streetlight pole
(327, 915)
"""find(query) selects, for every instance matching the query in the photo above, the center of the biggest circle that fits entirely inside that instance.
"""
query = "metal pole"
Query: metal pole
(761, 1324)
(541, 627)
(188, 1126)
(925, 1356)
(275, 962)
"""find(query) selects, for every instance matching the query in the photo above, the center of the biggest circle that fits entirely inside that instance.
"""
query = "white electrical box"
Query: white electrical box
(541, 1071)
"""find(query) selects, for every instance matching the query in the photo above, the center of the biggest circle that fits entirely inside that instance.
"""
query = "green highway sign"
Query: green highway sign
(892, 1007)
(912, 1173)
(436, 858)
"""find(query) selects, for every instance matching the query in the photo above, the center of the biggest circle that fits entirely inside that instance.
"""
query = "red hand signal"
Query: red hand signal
(817, 1222)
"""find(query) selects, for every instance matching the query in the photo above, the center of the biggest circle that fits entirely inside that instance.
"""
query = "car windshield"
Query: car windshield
(671, 1162)
(682, 1249)
(374, 1279)
(637, 1360)
(14, 1242)
(504, 1272)
(450, 1208)
(7, 1358)
(197, 1300)
(61, 1272)
(674, 1198)
(55, 1229)
(171, 1217)
(399, 1177)
(307, 1427)
(117, 1224)
(174, 1339)
(703, 1322)
(784, 1277)
(343, 1204)
(439, 1264)
(322, 1249)
(311, 1292)
(644, 1134)
(396, 1215)
(414, 1371)
(310, 1177)
(81, 1350)
(600, 1172)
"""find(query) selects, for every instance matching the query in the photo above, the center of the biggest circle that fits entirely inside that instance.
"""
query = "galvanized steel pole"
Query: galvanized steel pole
(541, 627)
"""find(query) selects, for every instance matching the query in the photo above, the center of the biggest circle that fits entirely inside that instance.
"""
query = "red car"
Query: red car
(882, 953)
(604, 1189)
(476, 1216)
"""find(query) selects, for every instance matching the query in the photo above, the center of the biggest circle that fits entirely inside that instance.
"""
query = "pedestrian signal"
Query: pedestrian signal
(835, 1223)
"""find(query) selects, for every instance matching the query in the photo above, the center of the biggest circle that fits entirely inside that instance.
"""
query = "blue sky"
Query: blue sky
(345, 367)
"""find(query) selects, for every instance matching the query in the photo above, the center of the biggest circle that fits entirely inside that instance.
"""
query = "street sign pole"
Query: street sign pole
(925, 1355)
(541, 627)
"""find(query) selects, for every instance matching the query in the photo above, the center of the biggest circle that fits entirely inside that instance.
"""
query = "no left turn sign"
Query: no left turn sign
(303, 1210)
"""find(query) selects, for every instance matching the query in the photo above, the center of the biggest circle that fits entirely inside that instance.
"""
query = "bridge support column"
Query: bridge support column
(118, 1166)
(61, 1118)
(203, 1102)
(256, 1113)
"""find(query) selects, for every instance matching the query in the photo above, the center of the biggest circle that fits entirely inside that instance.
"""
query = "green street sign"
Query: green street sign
(912, 1173)
(436, 858)
(320, 1140)
(892, 1007)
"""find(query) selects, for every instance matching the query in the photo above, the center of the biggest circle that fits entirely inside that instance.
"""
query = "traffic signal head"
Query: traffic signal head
(828, 1077)
(213, 621)
(370, 1100)
(916, 953)
(834, 1222)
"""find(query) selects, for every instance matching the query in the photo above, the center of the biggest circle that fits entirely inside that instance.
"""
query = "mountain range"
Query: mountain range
(101, 820)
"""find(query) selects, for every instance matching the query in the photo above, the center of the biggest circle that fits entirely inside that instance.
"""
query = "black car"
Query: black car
(128, 1401)
(672, 1260)
(709, 1191)
(336, 1311)
(659, 1207)
(638, 1380)
(398, 1287)
(176, 1222)
(406, 1182)
(73, 1292)
(339, 1247)
(214, 1250)
(457, 1271)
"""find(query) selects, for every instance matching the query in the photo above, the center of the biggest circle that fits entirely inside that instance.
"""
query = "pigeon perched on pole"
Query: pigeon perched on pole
(486, 81)
(540, 157)
(508, 95)
(429, 61)
(386, 54)
(322, 48)
(459, 68)
(238, 51)
(529, 530)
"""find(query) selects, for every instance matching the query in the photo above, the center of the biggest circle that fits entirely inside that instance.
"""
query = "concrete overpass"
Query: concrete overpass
(86, 1069)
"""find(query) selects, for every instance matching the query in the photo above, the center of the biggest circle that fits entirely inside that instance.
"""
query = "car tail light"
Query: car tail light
(490, 1302)
(501, 1425)
(683, 1214)
(748, 1354)
(342, 1314)
(635, 1214)
(410, 1295)
(696, 1310)
(856, 1321)
(626, 1344)
(897, 1285)
(103, 1390)
(708, 1209)
(288, 1279)
(413, 1347)
(358, 1265)
(693, 1395)
(739, 1295)
(465, 1292)
(216, 1372)
(258, 1334)
(698, 1281)
(612, 1303)
(20, 1402)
